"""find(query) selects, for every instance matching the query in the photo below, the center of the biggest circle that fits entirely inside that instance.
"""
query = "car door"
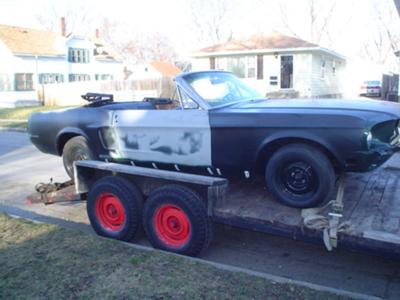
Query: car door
(179, 136)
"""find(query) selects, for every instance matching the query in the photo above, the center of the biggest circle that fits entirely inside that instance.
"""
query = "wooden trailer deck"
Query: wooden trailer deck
(371, 207)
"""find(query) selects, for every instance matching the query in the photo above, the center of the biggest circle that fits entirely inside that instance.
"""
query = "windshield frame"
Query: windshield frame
(181, 80)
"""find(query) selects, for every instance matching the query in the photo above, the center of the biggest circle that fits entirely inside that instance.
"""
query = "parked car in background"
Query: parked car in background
(371, 88)
(217, 125)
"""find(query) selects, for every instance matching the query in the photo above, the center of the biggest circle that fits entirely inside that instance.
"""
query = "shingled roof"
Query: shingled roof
(260, 42)
(27, 41)
(30, 41)
(165, 69)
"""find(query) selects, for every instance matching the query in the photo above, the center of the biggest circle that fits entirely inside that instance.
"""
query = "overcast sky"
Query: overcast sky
(353, 20)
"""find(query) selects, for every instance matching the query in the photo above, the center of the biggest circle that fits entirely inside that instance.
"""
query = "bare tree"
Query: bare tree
(384, 37)
(78, 16)
(134, 46)
(210, 20)
(317, 15)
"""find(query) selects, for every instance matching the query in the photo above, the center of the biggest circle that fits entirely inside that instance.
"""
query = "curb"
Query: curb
(37, 218)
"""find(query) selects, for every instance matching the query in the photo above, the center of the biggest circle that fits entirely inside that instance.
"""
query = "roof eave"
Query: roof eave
(109, 60)
(266, 51)
(39, 55)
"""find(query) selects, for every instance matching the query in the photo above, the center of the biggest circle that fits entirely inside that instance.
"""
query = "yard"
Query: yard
(17, 117)
(45, 261)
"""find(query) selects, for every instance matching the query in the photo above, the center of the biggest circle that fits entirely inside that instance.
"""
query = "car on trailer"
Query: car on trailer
(217, 125)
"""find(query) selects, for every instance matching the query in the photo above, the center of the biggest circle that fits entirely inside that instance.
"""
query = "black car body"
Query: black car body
(217, 125)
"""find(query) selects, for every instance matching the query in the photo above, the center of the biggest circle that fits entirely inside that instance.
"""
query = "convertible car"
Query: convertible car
(217, 125)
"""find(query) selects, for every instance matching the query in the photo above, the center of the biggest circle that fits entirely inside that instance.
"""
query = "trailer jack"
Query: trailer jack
(53, 192)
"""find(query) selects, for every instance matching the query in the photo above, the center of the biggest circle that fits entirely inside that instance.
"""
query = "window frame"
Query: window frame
(78, 55)
(5, 82)
(27, 84)
(246, 60)
(181, 95)
(79, 77)
(51, 78)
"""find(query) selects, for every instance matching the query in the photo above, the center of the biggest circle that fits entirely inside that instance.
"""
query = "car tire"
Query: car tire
(300, 175)
(115, 208)
(77, 148)
(175, 219)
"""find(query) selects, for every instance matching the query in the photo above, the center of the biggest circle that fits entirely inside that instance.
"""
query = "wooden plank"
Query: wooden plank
(355, 186)
(387, 216)
(250, 199)
(154, 173)
(363, 215)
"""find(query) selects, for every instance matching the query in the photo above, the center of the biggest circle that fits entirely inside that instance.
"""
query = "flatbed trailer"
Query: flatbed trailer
(364, 216)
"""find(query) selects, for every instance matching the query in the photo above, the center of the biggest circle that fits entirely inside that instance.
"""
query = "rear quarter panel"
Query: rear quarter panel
(46, 128)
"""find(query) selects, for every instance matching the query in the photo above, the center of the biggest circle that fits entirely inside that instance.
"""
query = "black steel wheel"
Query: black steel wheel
(300, 175)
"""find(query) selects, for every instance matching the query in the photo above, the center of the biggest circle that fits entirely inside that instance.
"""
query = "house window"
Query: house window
(78, 55)
(46, 78)
(220, 63)
(5, 83)
(79, 77)
(251, 67)
(24, 82)
(287, 72)
(242, 66)
(103, 77)
(323, 66)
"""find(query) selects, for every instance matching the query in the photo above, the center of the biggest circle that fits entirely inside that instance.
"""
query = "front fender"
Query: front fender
(299, 136)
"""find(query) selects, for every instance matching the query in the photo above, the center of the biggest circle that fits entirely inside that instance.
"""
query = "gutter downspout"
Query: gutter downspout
(397, 53)
(37, 78)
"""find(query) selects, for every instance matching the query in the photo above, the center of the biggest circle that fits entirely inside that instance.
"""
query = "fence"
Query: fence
(69, 93)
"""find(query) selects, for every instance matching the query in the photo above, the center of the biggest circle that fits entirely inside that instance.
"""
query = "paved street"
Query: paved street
(22, 166)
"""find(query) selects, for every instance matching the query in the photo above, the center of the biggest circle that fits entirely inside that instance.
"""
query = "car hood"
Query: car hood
(390, 108)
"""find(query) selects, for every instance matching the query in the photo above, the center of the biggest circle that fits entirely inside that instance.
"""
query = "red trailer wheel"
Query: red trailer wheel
(175, 219)
(110, 211)
(115, 207)
(172, 225)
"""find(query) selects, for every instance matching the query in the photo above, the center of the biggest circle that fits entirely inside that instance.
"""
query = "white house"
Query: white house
(30, 58)
(153, 70)
(277, 65)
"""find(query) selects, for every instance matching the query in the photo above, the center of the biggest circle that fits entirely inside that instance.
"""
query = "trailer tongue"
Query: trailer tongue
(178, 208)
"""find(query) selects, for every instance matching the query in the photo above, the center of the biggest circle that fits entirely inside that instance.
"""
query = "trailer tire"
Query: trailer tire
(115, 208)
(175, 219)
(300, 175)
(77, 148)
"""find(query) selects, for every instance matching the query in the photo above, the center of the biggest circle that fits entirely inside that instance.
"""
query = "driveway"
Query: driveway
(22, 166)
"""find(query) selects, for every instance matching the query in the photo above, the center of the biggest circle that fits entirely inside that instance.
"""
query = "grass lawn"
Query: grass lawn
(48, 262)
(20, 113)
(13, 124)
(23, 113)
